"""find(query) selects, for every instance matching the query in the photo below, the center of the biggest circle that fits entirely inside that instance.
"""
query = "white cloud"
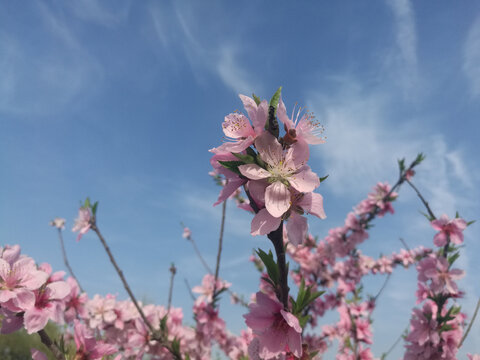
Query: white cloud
(42, 82)
(365, 140)
(471, 57)
(404, 55)
(219, 57)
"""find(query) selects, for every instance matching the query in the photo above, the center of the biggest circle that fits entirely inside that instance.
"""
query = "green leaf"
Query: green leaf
(270, 264)
(257, 99)
(276, 98)
(87, 203)
(401, 165)
(452, 258)
(94, 208)
(247, 159)
(232, 165)
(323, 178)
(471, 222)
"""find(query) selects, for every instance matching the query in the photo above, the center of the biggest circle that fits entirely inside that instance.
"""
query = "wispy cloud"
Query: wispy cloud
(404, 55)
(34, 82)
(218, 56)
(365, 139)
(471, 57)
(99, 13)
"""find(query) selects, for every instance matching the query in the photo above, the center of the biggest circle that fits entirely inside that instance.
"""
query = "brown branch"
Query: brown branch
(276, 237)
(122, 278)
(49, 343)
(430, 212)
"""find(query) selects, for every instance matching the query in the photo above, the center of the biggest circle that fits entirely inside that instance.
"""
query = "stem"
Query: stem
(48, 343)
(394, 344)
(383, 287)
(65, 260)
(276, 237)
(189, 289)
(470, 325)
(430, 212)
(219, 253)
(124, 281)
(173, 271)
(204, 263)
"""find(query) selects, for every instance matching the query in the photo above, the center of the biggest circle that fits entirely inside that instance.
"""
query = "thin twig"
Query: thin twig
(404, 244)
(122, 278)
(394, 344)
(199, 255)
(383, 287)
(430, 212)
(189, 289)
(219, 253)
(65, 260)
(49, 343)
(173, 271)
(471, 323)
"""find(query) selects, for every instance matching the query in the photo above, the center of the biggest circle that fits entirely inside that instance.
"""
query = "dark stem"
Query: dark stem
(276, 237)
(430, 212)
(219, 253)
(394, 344)
(65, 260)
(124, 281)
(470, 325)
(48, 343)
(173, 271)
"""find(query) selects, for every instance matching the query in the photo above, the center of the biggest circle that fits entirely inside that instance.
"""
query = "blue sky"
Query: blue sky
(120, 101)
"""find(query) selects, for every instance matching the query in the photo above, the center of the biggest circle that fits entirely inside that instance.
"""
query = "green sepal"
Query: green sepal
(276, 98)
(401, 165)
(322, 179)
(163, 325)
(270, 264)
(232, 165)
(87, 204)
(247, 159)
(471, 222)
(94, 208)
(452, 258)
(256, 99)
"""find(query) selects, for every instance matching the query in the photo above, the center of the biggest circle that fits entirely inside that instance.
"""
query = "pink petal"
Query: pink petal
(292, 321)
(251, 106)
(297, 228)
(25, 299)
(257, 191)
(38, 355)
(36, 319)
(10, 322)
(277, 199)
(253, 172)
(305, 180)
(263, 223)
(312, 203)
(282, 115)
(229, 188)
(233, 147)
(269, 148)
(261, 118)
(300, 153)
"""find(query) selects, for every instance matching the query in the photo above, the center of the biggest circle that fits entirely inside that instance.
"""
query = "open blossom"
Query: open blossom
(306, 129)
(283, 169)
(82, 222)
(87, 346)
(237, 127)
(276, 329)
(447, 228)
(59, 223)
(206, 289)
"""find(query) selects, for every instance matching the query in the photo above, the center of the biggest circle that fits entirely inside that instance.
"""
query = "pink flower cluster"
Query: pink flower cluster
(277, 176)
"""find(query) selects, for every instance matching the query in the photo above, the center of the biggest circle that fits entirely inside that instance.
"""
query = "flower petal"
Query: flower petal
(253, 172)
(264, 223)
(277, 199)
(297, 228)
(305, 180)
